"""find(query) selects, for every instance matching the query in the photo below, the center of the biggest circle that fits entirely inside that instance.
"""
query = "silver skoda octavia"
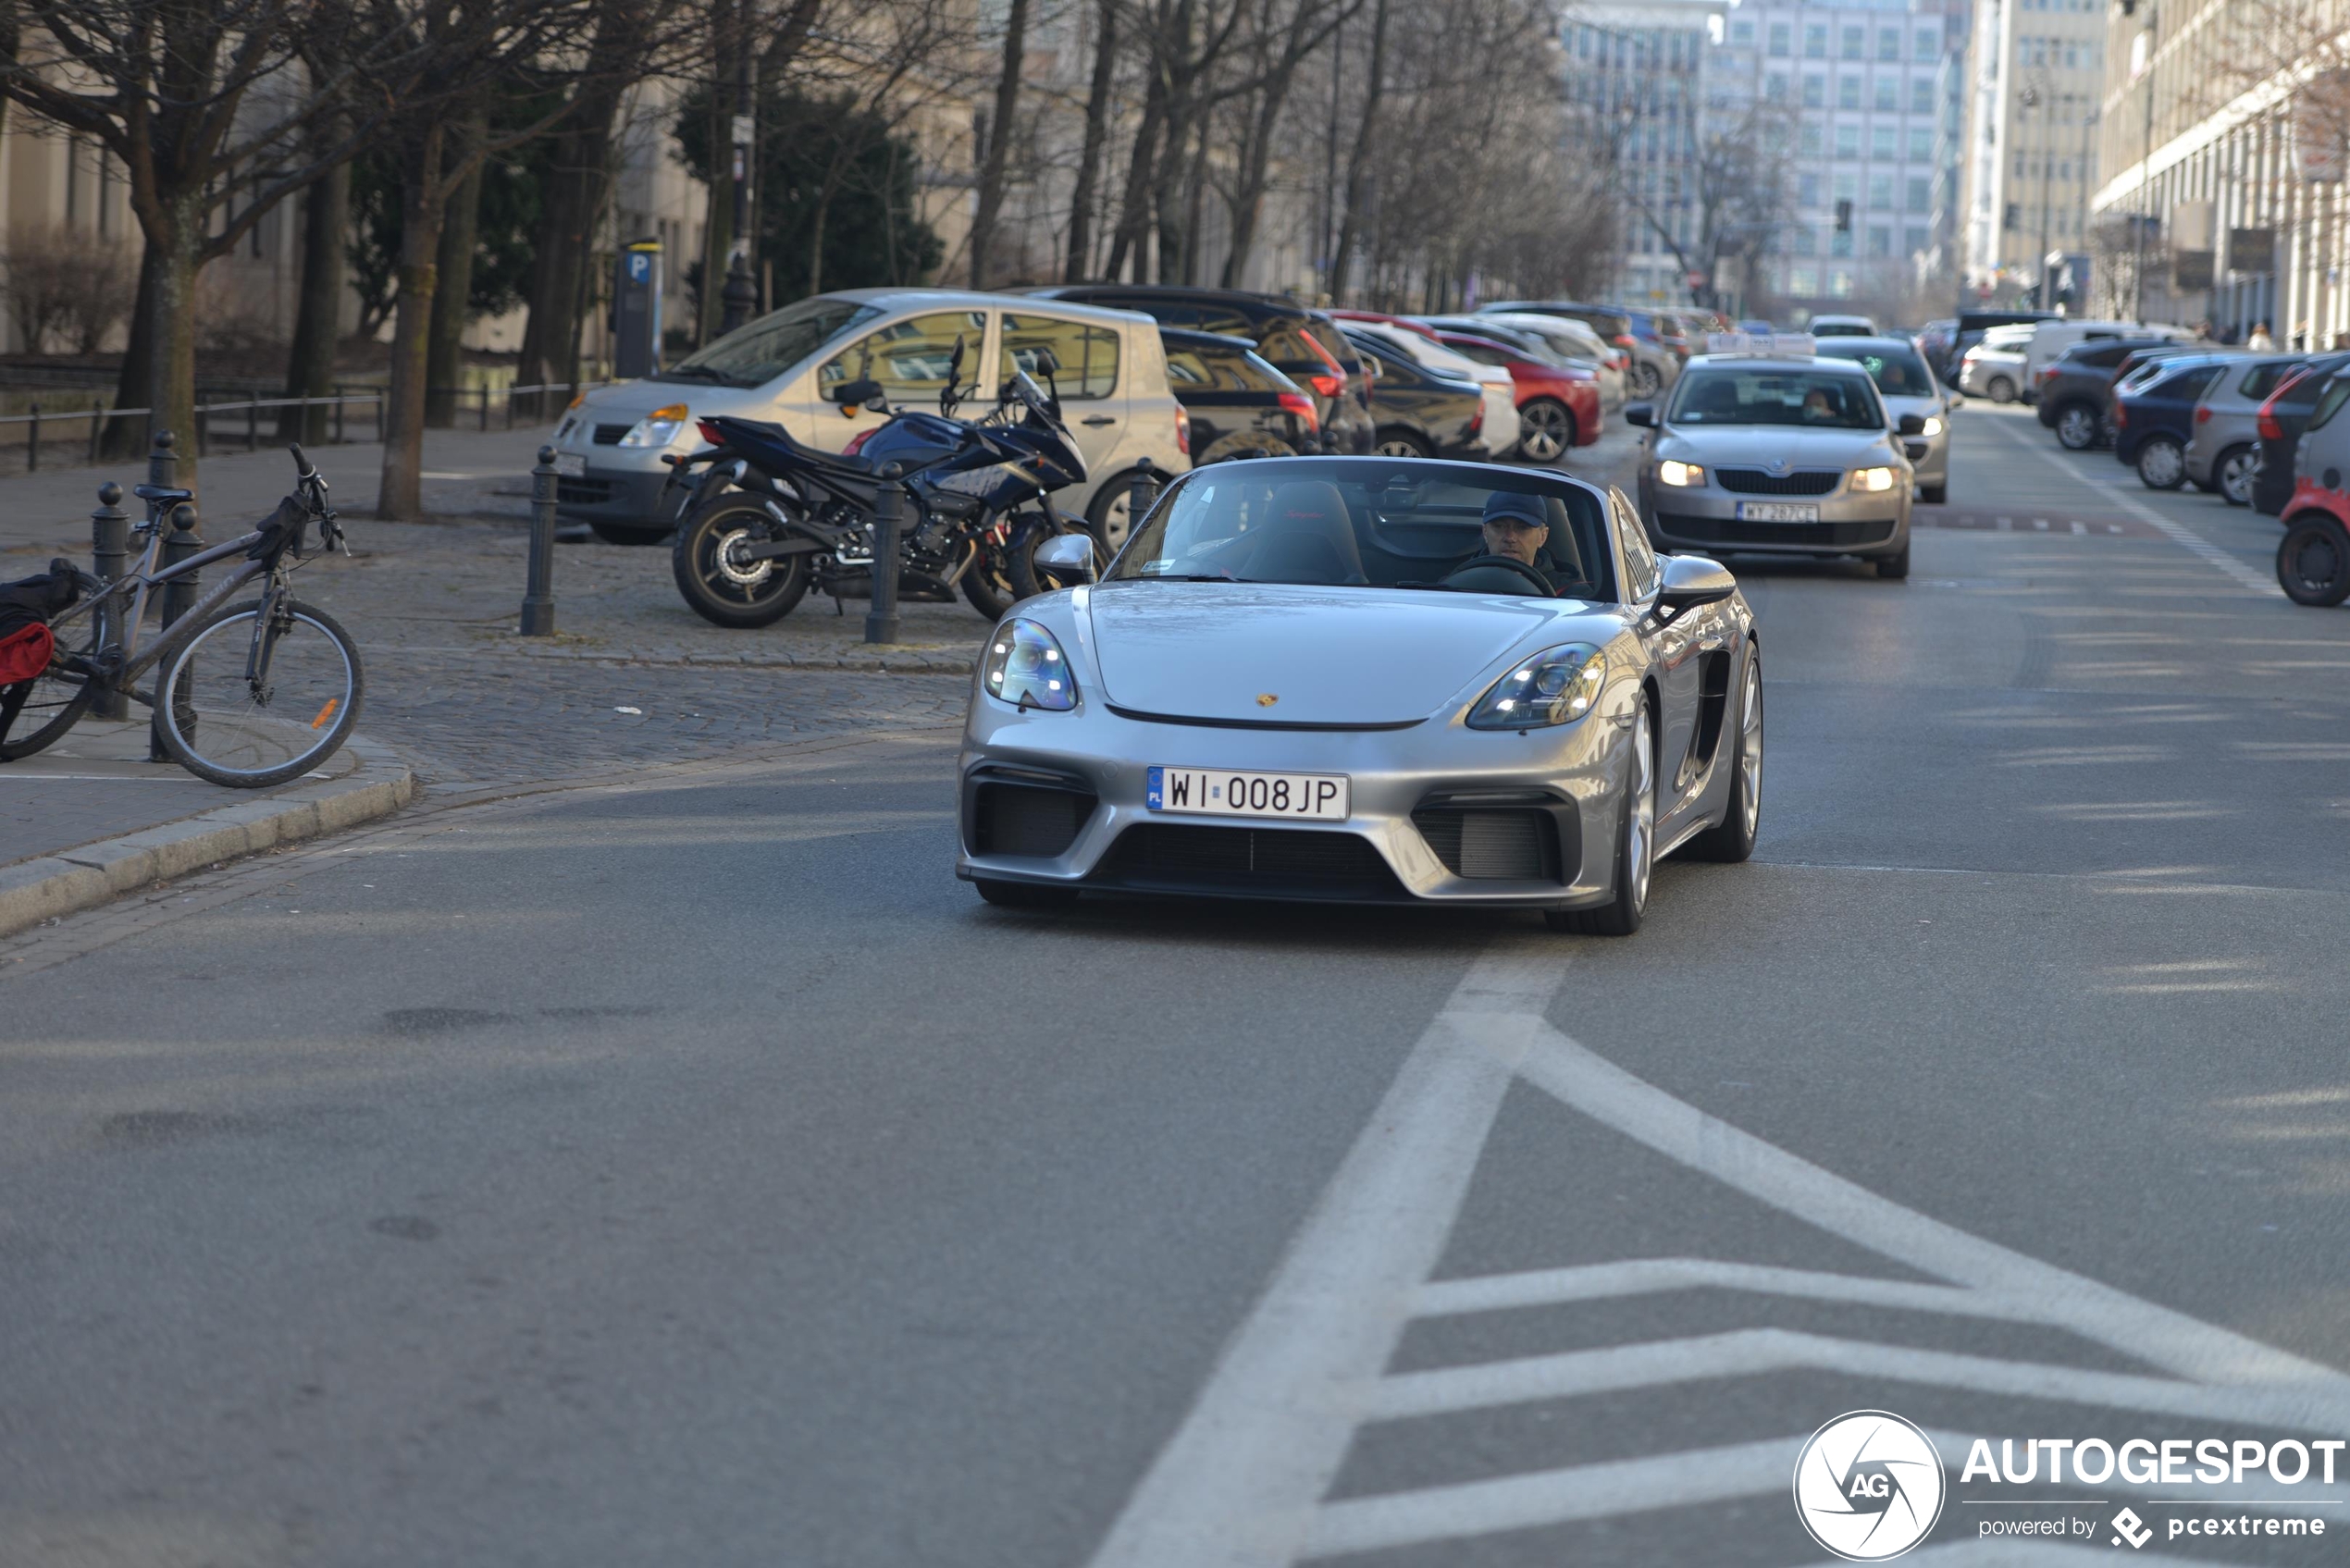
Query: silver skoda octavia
(1368, 680)
(1774, 449)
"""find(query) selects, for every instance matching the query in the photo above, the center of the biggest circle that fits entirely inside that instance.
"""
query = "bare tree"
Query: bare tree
(995, 152)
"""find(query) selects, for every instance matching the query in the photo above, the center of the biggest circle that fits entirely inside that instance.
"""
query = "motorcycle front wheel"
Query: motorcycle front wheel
(987, 581)
(718, 581)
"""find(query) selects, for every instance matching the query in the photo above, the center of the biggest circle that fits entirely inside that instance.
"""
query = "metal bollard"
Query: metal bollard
(32, 442)
(181, 540)
(889, 517)
(109, 558)
(163, 461)
(538, 594)
(1142, 491)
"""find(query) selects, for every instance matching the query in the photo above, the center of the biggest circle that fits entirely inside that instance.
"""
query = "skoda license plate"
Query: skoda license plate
(1778, 512)
(1215, 792)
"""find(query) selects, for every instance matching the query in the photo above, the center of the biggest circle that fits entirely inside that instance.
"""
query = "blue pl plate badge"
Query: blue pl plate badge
(1157, 783)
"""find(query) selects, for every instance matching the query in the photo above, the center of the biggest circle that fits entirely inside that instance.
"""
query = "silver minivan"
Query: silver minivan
(2225, 442)
(789, 366)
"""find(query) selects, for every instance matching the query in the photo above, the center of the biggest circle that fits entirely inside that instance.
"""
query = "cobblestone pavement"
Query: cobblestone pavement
(633, 675)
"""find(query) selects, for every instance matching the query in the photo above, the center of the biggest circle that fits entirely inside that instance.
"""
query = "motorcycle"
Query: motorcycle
(768, 516)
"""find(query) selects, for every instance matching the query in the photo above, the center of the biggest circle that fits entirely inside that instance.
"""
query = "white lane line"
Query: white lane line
(1237, 1486)
(2177, 533)
(1750, 1352)
(1603, 1281)
(2153, 1334)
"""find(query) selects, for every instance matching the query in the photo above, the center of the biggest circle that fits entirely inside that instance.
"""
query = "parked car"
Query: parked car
(1669, 326)
(1499, 431)
(1578, 341)
(1973, 324)
(1286, 333)
(1558, 406)
(1653, 367)
(1652, 346)
(1844, 326)
(1419, 412)
(1541, 340)
(2280, 423)
(1994, 368)
(2313, 559)
(1934, 339)
(1907, 386)
(787, 367)
(2076, 390)
(2153, 415)
(1237, 402)
(2224, 446)
(2052, 339)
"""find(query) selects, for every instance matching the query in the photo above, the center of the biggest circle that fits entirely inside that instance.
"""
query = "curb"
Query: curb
(899, 659)
(43, 889)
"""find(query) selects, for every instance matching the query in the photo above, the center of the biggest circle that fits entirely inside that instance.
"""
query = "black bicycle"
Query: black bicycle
(260, 692)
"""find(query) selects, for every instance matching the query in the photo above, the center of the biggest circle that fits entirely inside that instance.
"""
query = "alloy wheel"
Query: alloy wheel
(1545, 429)
(2235, 476)
(1750, 752)
(1639, 839)
(2076, 429)
(2162, 465)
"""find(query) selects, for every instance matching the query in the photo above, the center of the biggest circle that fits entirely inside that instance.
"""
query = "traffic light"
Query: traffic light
(1844, 217)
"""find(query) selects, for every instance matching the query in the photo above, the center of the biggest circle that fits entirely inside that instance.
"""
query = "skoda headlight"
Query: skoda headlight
(1875, 481)
(1556, 688)
(1933, 425)
(1026, 668)
(1679, 474)
(658, 428)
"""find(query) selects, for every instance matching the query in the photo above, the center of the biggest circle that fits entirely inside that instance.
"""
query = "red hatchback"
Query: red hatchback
(1558, 406)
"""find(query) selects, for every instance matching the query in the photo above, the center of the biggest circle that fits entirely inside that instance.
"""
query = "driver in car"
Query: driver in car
(1517, 528)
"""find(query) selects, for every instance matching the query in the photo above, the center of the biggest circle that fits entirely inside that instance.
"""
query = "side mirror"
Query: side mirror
(1912, 424)
(1956, 402)
(1642, 414)
(854, 395)
(1068, 555)
(1692, 580)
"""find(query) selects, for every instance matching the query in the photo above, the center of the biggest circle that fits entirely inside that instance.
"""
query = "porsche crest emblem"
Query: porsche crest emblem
(1266, 699)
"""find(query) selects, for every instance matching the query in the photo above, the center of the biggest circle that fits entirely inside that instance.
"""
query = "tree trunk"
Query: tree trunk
(452, 292)
(558, 274)
(718, 228)
(999, 142)
(135, 384)
(1133, 212)
(1075, 267)
(424, 204)
(171, 342)
(1358, 162)
(1248, 202)
(310, 368)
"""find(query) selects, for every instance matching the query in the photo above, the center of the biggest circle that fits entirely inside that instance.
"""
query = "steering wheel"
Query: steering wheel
(1541, 584)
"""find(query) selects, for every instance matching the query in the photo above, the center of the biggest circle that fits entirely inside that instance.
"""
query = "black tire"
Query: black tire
(733, 594)
(2231, 473)
(200, 756)
(987, 581)
(2078, 426)
(1647, 379)
(1110, 514)
(58, 697)
(630, 533)
(1396, 441)
(1732, 839)
(2313, 561)
(1635, 848)
(2000, 390)
(2161, 464)
(1023, 894)
(1894, 567)
(1244, 444)
(1547, 430)
(1933, 495)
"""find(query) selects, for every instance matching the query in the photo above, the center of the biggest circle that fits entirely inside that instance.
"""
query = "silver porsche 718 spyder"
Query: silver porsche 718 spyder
(1368, 680)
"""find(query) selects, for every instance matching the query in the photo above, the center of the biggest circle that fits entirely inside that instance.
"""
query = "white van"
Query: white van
(2050, 339)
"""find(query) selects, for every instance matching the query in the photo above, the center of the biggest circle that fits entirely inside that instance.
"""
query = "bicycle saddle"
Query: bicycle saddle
(163, 493)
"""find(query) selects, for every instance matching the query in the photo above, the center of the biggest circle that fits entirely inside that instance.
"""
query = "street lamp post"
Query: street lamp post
(742, 294)
(2150, 34)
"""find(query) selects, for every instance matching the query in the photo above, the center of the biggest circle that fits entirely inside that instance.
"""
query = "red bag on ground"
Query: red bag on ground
(24, 653)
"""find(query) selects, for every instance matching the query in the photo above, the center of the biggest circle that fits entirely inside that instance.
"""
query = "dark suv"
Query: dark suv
(1235, 405)
(1303, 345)
(2075, 393)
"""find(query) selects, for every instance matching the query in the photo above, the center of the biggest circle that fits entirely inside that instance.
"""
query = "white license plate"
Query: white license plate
(571, 465)
(1218, 792)
(1778, 512)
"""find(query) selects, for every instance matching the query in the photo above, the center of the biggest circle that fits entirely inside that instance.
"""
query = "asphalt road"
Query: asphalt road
(683, 1168)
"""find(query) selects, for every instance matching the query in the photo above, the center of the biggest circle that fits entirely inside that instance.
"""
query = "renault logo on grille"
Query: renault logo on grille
(1266, 699)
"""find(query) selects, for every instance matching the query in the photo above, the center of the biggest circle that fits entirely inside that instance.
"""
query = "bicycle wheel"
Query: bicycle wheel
(251, 733)
(59, 696)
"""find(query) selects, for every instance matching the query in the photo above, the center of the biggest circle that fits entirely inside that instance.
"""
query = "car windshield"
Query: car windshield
(1897, 372)
(1365, 522)
(1759, 394)
(760, 350)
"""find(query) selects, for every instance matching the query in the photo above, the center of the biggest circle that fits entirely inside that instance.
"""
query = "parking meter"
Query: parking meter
(636, 311)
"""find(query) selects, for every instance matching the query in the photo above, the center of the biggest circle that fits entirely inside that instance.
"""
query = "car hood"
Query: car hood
(1897, 406)
(634, 399)
(1755, 446)
(1326, 655)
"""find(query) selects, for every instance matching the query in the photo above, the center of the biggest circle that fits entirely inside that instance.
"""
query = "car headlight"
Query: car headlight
(1933, 425)
(658, 428)
(1555, 687)
(1026, 668)
(1680, 475)
(1875, 481)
